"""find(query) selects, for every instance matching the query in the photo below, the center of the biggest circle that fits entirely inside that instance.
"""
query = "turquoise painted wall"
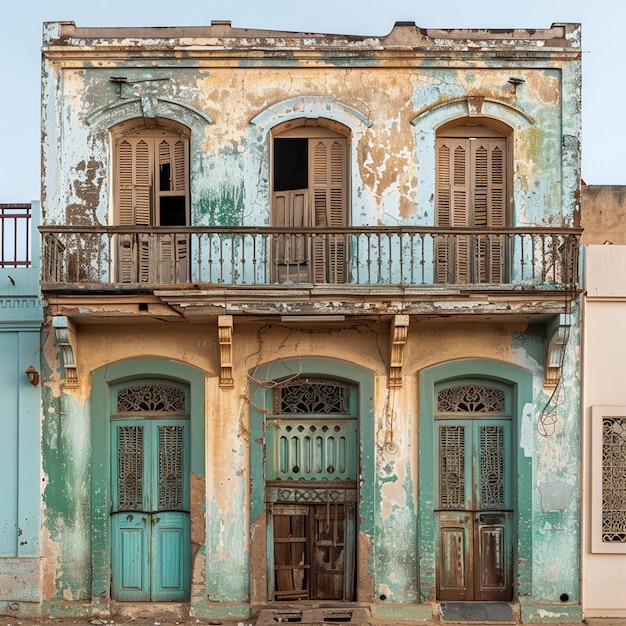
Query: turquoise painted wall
(21, 316)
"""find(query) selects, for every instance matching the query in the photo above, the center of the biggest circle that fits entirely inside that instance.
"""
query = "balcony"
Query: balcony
(255, 264)
(15, 228)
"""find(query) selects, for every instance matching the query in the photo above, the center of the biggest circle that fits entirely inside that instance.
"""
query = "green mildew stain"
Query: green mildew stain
(228, 560)
(67, 495)
(531, 341)
(221, 202)
(533, 137)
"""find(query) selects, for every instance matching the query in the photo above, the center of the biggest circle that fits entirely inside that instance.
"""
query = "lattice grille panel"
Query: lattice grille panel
(452, 467)
(491, 467)
(151, 399)
(171, 454)
(471, 398)
(130, 468)
(614, 480)
(312, 396)
(314, 450)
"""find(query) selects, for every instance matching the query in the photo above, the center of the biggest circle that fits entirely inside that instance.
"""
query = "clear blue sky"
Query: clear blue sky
(604, 67)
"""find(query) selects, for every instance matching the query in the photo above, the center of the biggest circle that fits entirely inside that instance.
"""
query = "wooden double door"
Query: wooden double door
(150, 533)
(474, 515)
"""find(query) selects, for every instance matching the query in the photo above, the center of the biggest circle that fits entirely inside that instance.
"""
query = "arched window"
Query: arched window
(309, 191)
(472, 182)
(151, 188)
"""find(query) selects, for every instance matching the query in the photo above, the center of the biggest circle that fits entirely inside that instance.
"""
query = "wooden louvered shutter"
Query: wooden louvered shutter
(471, 191)
(488, 159)
(328, 181)
(173, 250)
(134, 206)
(453, 209)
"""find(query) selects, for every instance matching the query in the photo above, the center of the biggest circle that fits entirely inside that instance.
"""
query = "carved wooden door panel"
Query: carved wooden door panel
(474, 514)
(474, 497)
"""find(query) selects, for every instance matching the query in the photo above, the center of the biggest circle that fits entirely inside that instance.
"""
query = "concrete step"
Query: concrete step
(338, 616)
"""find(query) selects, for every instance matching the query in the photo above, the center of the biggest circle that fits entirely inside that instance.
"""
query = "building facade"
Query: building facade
(311, 330)
(21, 317)
(604, 401)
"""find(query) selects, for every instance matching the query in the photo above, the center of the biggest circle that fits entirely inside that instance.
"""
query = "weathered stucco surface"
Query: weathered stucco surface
(229, 89)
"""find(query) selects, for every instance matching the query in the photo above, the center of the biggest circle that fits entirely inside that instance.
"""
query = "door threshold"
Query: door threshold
(478, 612)
(150, 610)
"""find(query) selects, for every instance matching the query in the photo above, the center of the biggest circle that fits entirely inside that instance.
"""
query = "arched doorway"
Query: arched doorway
(472, 190)
(312, 480)
(150, 513)
(474, 490)
(311, 489)
(151, 188)
(474, 480)
(147, 451)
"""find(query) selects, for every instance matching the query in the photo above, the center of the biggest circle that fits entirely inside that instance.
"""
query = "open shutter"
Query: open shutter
(453, 204)
(152, 190)
(134, 207)
(173, 250)
(328, 182)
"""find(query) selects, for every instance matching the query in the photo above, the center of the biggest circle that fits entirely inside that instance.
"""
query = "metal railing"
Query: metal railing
(262, 256)
(15, 225)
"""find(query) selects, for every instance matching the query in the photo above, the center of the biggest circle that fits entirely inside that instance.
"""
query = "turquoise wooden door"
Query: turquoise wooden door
(150, 515)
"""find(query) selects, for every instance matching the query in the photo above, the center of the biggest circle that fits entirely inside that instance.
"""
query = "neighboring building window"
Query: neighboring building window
(151, 183)
(471, 183)
(309, 190)
(608, 490)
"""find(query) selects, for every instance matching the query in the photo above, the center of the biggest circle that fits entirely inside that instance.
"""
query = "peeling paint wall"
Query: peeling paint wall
(399, 102)
(393, 564)
(230, 89)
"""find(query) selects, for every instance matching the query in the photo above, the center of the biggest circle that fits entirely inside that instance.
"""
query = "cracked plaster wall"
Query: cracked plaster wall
(392, 165)
(392, 565)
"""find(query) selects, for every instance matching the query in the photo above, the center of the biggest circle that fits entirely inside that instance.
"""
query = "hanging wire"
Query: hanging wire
(548, 418)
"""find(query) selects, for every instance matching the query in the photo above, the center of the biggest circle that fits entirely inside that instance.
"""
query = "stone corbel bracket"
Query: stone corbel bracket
(399, 330)
(557, 332)
(65, 333)
(225, 338)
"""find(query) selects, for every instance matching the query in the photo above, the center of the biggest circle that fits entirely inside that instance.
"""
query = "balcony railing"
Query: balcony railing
(15, 224)
(539, 258)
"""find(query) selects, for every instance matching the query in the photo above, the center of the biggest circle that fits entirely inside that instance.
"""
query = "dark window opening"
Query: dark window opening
(172, 211)
(165, 177)
(291, 164)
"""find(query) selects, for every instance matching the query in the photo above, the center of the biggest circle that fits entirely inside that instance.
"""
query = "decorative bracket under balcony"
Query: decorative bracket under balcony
(557, 334)
(399, 331)
(225, 337)
(65, 333)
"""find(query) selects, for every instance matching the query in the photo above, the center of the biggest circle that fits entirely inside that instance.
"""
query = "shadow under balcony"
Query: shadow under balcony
(200, 271)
